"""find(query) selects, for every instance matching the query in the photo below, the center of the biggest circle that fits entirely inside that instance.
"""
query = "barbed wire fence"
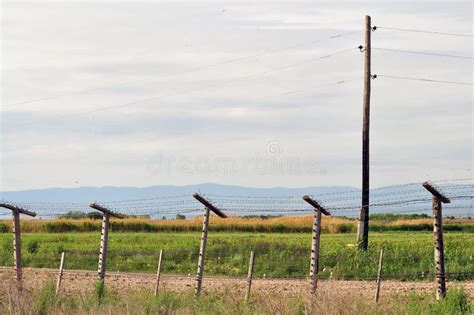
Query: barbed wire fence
(401, 199)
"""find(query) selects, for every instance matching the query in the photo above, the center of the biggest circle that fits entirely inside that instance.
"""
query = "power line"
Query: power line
(322, 85)
(158, 97)
(421, 31)
(336, 53)
(423, 53)
(420, 79)
(271, 70)
(194, 69)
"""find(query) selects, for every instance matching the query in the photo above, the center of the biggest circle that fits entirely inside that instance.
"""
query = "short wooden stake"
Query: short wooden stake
(17, 249)
(250, 276)
(60, 274)
(315, 242)
(202, 251)
(438, 198)
(158, 272)
(379, 277)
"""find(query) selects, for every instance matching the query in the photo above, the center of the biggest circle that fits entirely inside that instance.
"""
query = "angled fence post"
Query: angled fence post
(379, 277)
(315, 242)
(60, 274)
(16, 211)
(104, 238)
(205, 226)
(158, 272)
(438, 198)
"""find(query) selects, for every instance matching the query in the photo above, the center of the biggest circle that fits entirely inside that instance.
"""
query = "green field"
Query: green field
(277, 255)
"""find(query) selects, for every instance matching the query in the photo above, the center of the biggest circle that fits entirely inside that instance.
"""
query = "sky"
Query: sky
(258, 94)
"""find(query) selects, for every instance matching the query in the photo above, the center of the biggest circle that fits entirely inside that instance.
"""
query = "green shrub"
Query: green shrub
(456, 302)
(4, 228)
(32, 246)
(345, 228)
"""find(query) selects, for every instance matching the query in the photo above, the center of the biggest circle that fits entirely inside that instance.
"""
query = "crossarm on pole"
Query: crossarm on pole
(315, 204)
(17, 209)
(208, 205)
(106, 211)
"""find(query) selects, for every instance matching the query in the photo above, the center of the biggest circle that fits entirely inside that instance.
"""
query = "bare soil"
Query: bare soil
(83, 281)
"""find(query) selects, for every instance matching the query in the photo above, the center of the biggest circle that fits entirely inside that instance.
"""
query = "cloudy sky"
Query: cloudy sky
(183, 92)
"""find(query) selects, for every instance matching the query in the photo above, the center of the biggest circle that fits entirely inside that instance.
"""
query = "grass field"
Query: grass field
(295, 224)
(278, 255)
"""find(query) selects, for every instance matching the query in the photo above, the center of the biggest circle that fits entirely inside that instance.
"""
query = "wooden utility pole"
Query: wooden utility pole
(158, 272)
(60, 274)
(438, 198)
(379, 277)
(315, 242)
(205, 227)
(250, 276)
(363, 226)
(104, 236)
(17, 238)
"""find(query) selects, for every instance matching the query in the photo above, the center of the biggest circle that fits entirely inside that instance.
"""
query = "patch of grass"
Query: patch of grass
(99, 290)
(394, 217)
(43, 301)
(456, 302)
(407, 255)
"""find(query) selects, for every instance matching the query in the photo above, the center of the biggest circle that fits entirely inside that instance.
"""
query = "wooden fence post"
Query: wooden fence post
(60, 274)
(158, 272)
(438, 198)
(104, 237)
(250, 275)
(104, 240)
(439, 248)
(379, 277)
(315, 242)
(205, 226)
(17, 239)
(17, 249)
(202, 251)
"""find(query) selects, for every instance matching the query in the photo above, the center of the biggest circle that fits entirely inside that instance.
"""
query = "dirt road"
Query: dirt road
(82, 281)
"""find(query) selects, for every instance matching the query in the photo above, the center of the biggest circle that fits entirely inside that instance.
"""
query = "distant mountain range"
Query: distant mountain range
(88, 194)
(343, 200)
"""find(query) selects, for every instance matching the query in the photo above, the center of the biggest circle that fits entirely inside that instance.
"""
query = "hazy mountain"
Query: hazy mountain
(88, 194)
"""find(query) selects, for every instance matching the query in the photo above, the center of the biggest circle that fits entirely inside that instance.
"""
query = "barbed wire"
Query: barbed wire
(400, 196)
